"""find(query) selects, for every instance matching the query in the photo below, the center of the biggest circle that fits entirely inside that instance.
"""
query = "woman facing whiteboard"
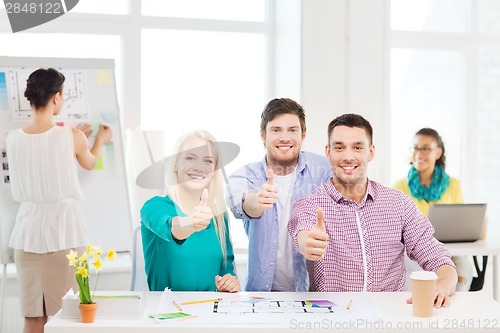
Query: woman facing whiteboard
(43, 174)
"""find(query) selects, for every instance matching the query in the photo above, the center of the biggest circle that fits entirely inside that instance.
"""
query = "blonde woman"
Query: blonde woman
(185, 234)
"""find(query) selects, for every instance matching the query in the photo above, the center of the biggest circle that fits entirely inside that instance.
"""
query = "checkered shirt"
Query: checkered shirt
(389, 223)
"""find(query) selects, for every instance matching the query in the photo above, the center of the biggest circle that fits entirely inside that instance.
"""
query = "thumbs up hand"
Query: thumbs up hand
(313, 243)
(202, 213)
(320, 220)
(268, 192)
(257, 201)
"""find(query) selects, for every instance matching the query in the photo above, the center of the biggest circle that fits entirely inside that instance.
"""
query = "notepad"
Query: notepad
(171, 315)
(320, 303)
(117, 297)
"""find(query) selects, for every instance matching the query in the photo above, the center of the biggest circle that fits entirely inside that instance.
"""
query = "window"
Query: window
(487, 117)
(427, 90)
(216, 79)
(234, 10)
(489, 20)
(445, 74)
(114, 7)
(210, 80)
(430, 15)
(184, 64)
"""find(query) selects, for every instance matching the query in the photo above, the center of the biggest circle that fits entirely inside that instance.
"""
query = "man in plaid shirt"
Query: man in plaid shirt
(354, 231)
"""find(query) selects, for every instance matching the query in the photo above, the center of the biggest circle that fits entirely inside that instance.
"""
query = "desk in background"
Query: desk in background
(487, 247)
(469, 312)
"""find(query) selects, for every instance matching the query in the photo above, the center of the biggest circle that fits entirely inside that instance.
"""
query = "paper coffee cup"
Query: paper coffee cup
(423, 292)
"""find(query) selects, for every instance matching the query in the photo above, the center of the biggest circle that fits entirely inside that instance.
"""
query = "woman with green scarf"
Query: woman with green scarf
(427, 183)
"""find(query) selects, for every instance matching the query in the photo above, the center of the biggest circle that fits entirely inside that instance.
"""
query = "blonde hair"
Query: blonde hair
(215, 187)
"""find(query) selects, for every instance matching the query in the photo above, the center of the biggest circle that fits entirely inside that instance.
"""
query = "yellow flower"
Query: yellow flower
(81, 264)
(111, 254)
(84, 257)
(82, 271)
(73, 257)
(97, 265)
(96, 251)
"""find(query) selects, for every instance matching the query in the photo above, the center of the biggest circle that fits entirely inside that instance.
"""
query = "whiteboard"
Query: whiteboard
(90, 97)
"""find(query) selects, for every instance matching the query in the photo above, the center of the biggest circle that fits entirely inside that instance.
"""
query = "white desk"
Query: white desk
(487, 247)
(469, 312)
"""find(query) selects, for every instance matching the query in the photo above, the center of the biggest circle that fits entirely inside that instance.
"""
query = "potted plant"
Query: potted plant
(81, 263)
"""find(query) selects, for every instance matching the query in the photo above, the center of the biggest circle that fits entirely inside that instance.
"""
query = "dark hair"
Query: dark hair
(41, 85)
(351, 120)
(282, 106)
(435, 135)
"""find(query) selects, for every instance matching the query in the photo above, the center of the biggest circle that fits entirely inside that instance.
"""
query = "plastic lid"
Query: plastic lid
(423, 275)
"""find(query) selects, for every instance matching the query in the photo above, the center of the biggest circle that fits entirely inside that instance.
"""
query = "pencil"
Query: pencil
(349, 305)
(202, 301)
(177, 305)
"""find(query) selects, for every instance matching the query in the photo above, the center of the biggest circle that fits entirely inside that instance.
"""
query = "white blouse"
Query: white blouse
(44, 179)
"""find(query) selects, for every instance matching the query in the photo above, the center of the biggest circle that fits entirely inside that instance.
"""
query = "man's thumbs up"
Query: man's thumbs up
(268, 192)
(320, 216)
(313, 243)
(270, 176)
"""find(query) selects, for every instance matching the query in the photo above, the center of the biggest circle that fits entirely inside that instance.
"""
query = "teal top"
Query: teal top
(181, 265)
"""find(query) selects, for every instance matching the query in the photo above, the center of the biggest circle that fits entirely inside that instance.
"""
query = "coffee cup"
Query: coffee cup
(423, 293)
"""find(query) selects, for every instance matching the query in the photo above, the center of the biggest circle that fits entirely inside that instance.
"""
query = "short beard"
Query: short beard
(283, 167)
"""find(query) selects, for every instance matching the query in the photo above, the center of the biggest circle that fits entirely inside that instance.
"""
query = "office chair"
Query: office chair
(138, 280)
(478, 282)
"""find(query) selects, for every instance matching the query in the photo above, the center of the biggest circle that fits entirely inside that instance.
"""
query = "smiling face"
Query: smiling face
(425, 153)
(283, 139)
(349, 152)
(195, 164)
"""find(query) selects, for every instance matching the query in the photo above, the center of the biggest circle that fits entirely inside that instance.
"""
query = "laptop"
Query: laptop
(457, 222)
